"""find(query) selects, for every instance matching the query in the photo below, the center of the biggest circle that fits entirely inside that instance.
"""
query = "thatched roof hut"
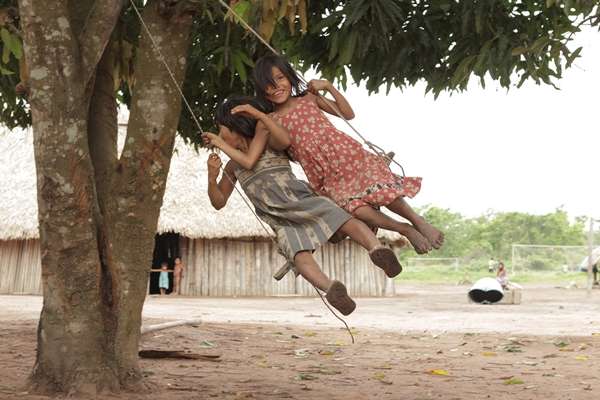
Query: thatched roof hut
(226, 252)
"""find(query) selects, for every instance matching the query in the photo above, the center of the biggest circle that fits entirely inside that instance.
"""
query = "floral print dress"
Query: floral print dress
(336, 165)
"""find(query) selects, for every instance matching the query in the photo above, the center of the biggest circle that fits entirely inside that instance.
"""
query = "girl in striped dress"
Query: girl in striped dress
(301, 220)
(336, 165)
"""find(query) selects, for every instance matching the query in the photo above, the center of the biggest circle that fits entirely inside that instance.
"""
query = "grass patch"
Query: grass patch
(449, 275)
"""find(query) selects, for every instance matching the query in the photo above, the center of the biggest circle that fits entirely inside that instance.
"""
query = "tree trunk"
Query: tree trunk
(98, 214)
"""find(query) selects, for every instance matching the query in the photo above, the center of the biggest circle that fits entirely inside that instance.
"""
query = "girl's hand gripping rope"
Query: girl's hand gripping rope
(212, 140)
(214, 164)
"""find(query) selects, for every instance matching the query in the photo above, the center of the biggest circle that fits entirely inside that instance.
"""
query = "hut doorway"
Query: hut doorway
(166, 248)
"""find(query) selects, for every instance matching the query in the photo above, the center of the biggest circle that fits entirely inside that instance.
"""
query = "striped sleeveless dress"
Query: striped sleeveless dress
(300, 219)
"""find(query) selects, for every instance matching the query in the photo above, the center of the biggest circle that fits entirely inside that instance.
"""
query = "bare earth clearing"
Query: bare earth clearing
(427, 343)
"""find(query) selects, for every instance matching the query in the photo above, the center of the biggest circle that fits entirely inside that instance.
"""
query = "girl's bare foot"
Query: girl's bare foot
(417, 240)
(434, 235)
(385, 259)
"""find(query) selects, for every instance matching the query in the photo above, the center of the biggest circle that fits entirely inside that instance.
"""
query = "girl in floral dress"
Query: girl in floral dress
(336, 165)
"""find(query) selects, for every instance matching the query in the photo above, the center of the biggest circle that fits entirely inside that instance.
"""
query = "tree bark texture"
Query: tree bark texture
(98, 214)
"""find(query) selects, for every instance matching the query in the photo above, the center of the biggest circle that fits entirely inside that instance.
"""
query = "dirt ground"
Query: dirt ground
(428, 343)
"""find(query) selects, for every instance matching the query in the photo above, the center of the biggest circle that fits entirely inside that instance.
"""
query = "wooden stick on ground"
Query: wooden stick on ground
(167, 325)
(178, 354)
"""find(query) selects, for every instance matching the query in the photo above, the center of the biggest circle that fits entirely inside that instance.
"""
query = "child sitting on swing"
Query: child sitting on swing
(301, 220)
(336, 165)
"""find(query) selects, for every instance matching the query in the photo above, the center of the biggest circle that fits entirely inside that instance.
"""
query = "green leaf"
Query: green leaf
(333, 46)
(513, 381)
(483, 56)
(12, 43)
(539, 44)
(242, 8)
(245, 59)
(5, 54)
(517, 51)
(462, 71)
(573, 56)
(5, 71)
(349, 46)
(239, 67)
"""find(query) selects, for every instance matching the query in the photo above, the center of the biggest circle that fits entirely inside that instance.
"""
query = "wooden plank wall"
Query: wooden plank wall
(220, 267)
(228, 267)
(20, 267)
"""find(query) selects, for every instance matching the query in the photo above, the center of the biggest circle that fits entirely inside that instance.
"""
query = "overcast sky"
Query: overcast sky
(531, 149)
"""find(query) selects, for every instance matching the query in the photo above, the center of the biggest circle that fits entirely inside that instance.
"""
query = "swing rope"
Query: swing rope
(374, 148)
(197, 122)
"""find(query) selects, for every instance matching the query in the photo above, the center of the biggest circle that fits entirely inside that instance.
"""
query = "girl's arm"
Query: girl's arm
(219, 193)
(278, 136)
(340, 101)
(246, 160)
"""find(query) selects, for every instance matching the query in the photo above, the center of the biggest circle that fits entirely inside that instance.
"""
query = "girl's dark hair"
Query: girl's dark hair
(241, 124)
(263, 75)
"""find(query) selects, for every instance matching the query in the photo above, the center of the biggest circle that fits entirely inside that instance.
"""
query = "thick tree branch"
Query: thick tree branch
(96, 34)
(102, 123)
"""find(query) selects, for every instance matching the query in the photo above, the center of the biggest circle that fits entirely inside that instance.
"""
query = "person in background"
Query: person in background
(177, 275)
(491, 265)
(163, 280)
(502, 276)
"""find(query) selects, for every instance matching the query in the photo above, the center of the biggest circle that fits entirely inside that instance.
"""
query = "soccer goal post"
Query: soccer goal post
(546, 258)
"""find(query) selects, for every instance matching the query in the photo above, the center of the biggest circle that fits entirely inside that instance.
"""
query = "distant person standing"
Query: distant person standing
(163, 279)
(491, 265)
(177, 275)
(595, 271)
(502, 276)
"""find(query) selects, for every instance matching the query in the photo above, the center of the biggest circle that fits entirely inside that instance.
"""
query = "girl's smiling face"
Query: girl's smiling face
(280, 93)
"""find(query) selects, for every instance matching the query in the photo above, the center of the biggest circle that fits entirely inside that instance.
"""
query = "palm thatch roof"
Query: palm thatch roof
(186, 208)
(18, 193)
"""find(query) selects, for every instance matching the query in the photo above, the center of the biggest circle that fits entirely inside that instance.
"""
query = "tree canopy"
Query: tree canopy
(382, 43)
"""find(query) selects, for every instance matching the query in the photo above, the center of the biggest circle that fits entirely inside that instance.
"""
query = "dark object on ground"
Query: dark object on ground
(178, 354)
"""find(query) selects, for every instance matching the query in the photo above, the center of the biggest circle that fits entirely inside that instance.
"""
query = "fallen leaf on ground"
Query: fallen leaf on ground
(306, 377)
(206, 343)
(380, 376)
(513, 381)
(441, 372)
(489, 354)
(581, 358)
(326, 352)
(310, 334)
(301, 353)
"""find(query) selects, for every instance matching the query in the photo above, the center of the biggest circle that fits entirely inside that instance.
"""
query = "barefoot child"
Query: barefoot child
(177, 275)
(301, 220)
(336, 165)
(163, 279)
